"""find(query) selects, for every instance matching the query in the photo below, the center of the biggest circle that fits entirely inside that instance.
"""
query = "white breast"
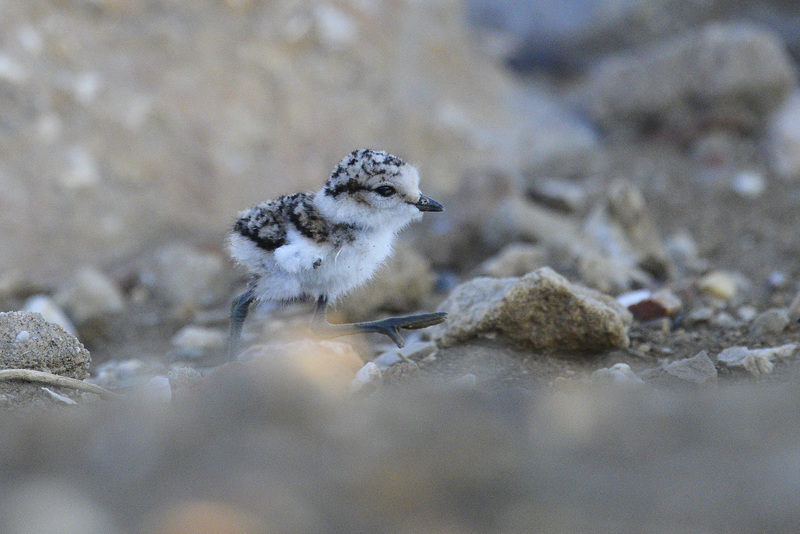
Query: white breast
(341, 270)
(349, 266)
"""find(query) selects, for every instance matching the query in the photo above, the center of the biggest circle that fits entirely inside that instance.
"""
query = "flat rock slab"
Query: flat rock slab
(27, 341)
(541, 310)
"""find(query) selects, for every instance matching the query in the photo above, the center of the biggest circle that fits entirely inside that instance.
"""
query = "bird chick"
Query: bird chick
(322, 245)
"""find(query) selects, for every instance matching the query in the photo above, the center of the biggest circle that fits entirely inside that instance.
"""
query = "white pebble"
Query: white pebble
(367, 378)
(24, 335)
(755, 361)
(50, 311)
(157, 389)
(619, 373)
(749, 184)
(60, 397)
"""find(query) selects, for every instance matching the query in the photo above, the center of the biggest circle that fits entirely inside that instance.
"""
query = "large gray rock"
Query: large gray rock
(27, 341)
(737, 72)
(541, 310)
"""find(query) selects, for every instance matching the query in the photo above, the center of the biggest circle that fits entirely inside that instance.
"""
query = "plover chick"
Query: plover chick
(321, 245)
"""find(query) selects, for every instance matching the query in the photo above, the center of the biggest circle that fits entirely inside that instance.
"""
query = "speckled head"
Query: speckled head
(374, 188)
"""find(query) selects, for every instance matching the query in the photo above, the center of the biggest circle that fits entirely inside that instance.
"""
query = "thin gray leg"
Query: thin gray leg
(239, 310)
(388, 327)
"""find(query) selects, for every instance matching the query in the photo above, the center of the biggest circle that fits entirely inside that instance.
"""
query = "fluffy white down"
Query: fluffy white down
(340, 271)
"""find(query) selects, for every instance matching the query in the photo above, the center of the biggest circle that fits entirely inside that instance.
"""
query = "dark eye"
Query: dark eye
(385, 190)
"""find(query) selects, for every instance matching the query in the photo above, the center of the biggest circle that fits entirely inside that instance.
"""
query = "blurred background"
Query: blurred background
(133, 131)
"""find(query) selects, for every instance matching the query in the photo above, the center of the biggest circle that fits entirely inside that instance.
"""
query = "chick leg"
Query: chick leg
(390, 326)
(239, 310)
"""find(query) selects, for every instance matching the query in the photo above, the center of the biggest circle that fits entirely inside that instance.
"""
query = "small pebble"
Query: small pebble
(718, 284)
(24, 335)
(367, 379)
(619, 373)
(157, 389)
(701, 315)
(50, 311)
(195, 341)
(698, 369)
(777, 279)
(755, 361)
(725, 320)
(749, 184)
(746, 313)
(59, 397)
(772, 321)
(182, 377)
(662, 303)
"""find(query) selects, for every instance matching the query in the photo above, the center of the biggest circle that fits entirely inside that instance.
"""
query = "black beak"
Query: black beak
(428, 204)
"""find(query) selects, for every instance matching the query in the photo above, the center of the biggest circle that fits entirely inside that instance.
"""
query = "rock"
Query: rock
(50, 311)
(606, 274)
(416, 350)
(698, 369)
(783, 139)
(731, 71)
(194, 342)
(182, 378)
(401, 285)
(120, 374)
(619, 373)
(471, 309)
(634, 297)
(701, 315)
(725, 320)
(517, 219)
(749, 184)
(682, 250)
(59, 397)
(90, 296)
(183, 276)
(46, 347)
(777, 280)
(400, 373)
(746, 313)
(157, 389)
(557, 193)
(517, 259)
(620, 226)
(367, 379)
(541, 310)
(719, 284)
(772, 321)
(646, 305)
(755, 361)
(546, 36)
